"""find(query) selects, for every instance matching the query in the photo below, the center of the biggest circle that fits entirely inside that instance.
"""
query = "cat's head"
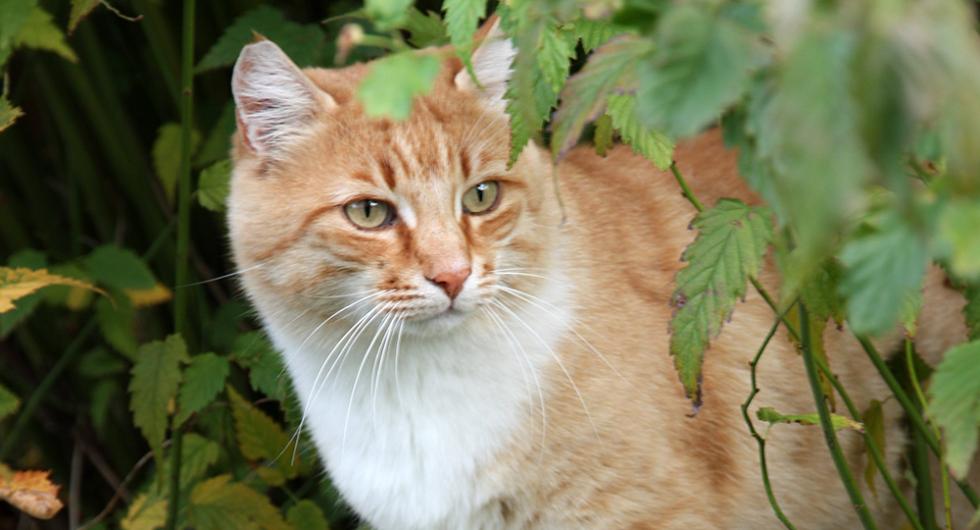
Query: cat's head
(335, 213)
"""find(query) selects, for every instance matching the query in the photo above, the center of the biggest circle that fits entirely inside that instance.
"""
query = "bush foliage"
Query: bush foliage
(131, 360)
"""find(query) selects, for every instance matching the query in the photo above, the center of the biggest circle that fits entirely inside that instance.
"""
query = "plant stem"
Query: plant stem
(755, 434)
(919, 462)
(943, 473)
(873, 449)
(684, 189)
(183, 229)
(830, 436)
(911, 411)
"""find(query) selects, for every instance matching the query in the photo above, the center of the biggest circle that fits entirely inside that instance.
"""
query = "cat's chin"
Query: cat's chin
(442, 323)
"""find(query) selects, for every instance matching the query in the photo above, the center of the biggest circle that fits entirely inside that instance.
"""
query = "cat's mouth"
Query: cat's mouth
(437, 323)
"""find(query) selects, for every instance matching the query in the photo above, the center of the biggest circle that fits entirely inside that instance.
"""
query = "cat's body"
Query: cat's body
(435, 421)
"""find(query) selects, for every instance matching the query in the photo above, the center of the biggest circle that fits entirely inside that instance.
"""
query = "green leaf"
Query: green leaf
(220, 504)
(8, 113)
(425, 29)
(217, 144)
(99, 363)
(166, 156)
(701, 65)
(254, 352)
(462, 16)
(387, 14)
(117, 323)
(304, 44)
(197, 456)
(156, 375)
(119, 268)
(9, 402)
(653, 145)
(730, 245)
(104, 396)
(203, 380)
(415, 73)
(306, 515)
(260, 438)
(603, 136)
(13, 15)
(79, 10)
(9, 320)
(39, 32)
(594, 33)
(145, 513)
(955, 404)
(585, 94)
(882, 270)
(771, 416)
(957, 228)
(557, 48)
(214, 185)
(874, 423)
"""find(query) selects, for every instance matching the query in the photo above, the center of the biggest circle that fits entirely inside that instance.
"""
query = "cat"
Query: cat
(480, 347)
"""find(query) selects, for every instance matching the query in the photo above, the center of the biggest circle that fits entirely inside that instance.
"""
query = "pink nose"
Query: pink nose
(451, 280)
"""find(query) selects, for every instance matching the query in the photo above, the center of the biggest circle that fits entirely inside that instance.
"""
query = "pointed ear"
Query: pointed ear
(491, 63)
(275, 102)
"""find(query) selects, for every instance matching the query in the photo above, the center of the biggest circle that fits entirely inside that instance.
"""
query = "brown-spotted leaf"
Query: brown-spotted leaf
(17, 283)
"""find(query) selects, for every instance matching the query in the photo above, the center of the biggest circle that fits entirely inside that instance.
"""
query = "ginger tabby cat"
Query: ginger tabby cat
(472, 354)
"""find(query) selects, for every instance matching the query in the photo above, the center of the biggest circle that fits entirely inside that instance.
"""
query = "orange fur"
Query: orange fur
(641, 461)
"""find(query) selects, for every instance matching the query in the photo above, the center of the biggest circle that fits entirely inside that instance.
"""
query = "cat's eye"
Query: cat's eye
(369, 213)
(481, 198)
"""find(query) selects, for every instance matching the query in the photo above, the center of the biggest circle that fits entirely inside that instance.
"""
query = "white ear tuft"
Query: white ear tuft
(491, 64)
(274, 100)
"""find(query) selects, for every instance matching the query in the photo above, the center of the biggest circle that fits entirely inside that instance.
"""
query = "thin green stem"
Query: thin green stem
(943, 472)
(755, 434)
(183, 229)
(911, 411)
(684, 189)
(876, 455)
(809, 361)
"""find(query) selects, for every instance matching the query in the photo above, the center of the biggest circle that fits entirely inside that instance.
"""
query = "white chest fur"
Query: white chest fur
(405, 450)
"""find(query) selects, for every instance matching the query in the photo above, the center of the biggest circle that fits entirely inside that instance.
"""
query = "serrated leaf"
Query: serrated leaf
(9, 402)
(79, 10)
(701, 65)
(261, 439)
(387, 14)
(31, 492)
(13, 15)
(874, 424)
(594, 33)
(204, 378)
(730, 246)
(462, 16)
(145, 514)
(197, 456)
(39, 32)
(971, 311)
(415, 73)
(653, 145)
(425, 29)
(557, 47)
(119, 268)
(306, 515)
(603, 136)
(302, 43)
(166, 156)
(16, 283)
(883, 269)
(585, 94)
(220, 504)
(156, 376)
(214, 185)
(8, 113)
(254, 352)
(955, 404)
(772, 416)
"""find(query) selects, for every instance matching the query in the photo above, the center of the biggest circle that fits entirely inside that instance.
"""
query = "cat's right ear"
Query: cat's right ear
(491, 64)
(275, 102)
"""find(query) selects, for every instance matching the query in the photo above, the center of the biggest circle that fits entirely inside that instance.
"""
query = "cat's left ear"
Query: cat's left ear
(275, 102)
(491, 63)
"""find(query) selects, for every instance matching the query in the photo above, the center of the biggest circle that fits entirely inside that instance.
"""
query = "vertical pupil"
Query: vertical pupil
(367, 209)
(479, 192)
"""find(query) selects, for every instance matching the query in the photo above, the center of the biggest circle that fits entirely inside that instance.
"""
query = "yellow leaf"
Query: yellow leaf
(157, 294)
(145, 514)
(8, 113)
(32, 493)
(20, 282)
(78, 298)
